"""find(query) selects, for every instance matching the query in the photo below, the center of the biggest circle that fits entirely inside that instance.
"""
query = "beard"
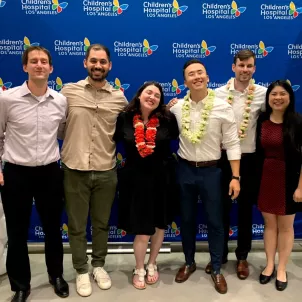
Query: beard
(103, 74)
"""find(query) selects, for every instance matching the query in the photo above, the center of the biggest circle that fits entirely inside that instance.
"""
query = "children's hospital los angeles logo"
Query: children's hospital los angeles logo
(167, 9)
(230, 10)
(172, 89)
(172, 231)
(43, 7)
(104, 8)
(280, 12)
(294, 51)
(261, 50)
(5, 85)
(71, 48)
(15, 47)
(134, 49)
(195, 50)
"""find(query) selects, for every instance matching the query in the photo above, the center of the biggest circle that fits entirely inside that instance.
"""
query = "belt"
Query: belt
(201, 164)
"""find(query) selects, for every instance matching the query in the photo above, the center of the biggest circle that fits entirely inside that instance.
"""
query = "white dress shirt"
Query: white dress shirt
(248, 144)
(32, 125)
(221, 128)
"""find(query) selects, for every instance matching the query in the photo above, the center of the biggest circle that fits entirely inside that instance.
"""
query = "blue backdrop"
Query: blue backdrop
(150, 40)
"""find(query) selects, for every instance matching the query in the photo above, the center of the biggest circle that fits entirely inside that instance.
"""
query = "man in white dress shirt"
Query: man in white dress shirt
(205, 123)
(247, 100)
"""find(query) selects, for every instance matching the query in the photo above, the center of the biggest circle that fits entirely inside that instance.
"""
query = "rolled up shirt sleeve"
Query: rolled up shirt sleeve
(230, 139)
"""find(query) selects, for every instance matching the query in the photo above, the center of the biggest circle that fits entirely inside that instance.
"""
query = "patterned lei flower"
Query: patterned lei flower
(246, 114)
(196, 137)
(145, 142)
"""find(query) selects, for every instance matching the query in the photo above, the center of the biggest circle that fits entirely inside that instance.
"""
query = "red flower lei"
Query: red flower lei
(145, 142)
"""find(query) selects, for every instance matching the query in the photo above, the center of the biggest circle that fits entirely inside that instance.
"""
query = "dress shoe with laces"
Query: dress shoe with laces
(60, 286)
(280, 285)
(263, 279)
(21, 296)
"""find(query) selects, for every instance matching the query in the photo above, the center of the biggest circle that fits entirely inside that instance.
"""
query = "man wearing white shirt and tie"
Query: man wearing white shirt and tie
(205, 122)
(247, 100)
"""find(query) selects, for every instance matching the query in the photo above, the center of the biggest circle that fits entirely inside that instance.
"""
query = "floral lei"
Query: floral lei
(196, 137)
(145, 142)
(246, 114)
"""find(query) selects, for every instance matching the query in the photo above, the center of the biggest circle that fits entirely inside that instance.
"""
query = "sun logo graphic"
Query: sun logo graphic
(178, 10)
(294, 87)
(119, 8)
(174, 229)
(86, 44)
(27, 43)
(149, 49)
(120, 161)
(177, 88)
(233, 230)
(64, 230)
(59, 84)
(5, 86)
(205, 49)
(264, 50)
(293, 11)
(2, 3)
(58, 6)
(237, 11)
(118, 85)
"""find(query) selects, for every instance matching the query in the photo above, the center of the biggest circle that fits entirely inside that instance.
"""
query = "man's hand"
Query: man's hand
(1, 179)
(298, 195)
(234, 188)
(172, 103)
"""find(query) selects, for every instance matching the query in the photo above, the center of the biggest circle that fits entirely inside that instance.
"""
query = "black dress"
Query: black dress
(147, 186)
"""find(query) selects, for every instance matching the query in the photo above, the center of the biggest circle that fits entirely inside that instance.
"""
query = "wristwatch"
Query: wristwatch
(236, 177)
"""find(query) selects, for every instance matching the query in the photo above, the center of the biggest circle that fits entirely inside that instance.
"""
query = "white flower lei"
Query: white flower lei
(196, 137)
(246, 114)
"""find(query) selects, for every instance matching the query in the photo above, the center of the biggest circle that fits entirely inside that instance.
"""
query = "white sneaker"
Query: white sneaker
(84, 288)
(102, 278)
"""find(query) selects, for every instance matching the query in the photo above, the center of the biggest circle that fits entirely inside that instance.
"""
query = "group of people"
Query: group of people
(241, 141)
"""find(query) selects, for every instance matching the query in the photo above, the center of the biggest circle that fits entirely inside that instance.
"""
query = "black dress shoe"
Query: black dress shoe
(280, 285)
(20, 296)
(266, 279)
(61, 287)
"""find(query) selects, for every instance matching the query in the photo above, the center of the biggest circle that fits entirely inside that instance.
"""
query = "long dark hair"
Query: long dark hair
(290, 117)
(134, 105)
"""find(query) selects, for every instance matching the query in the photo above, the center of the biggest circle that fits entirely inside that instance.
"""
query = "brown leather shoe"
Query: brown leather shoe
(208, 268)
(242, 269)
(220, 283)
(185, 272)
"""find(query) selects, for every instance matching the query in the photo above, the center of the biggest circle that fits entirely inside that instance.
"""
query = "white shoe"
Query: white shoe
(102, 278)
(84, 288)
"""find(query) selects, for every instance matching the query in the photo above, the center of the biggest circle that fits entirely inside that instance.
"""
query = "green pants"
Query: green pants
(84, 191)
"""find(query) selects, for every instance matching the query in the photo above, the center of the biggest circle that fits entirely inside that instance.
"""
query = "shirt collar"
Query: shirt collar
(106, 87)
(232, 87)
(25, 91)
(203, 101)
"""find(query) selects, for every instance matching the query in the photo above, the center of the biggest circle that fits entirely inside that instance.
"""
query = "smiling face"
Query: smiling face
(150, 98)
(244, 69)
(196, 78)
(279, 99)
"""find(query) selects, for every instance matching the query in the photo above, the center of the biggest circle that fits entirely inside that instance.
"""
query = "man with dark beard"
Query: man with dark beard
(88, 160)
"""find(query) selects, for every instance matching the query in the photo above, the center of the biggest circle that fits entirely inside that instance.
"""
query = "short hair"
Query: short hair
(32, 48)
(190, 62)
(97, 46)
(244, 54)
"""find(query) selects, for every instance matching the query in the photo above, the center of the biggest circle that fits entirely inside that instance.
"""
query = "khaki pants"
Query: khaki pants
(84, 191)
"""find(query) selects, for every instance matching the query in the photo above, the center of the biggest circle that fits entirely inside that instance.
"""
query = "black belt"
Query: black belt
(201, 164)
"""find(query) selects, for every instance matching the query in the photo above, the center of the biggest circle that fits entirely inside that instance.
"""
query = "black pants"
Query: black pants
(206, 182)
(21, 185)
(245, 201)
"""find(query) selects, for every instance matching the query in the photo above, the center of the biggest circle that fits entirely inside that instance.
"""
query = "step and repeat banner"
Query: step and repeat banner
(151, 40)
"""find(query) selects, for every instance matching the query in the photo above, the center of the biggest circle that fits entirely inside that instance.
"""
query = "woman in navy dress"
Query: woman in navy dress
(146, 183)
(279, 141)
